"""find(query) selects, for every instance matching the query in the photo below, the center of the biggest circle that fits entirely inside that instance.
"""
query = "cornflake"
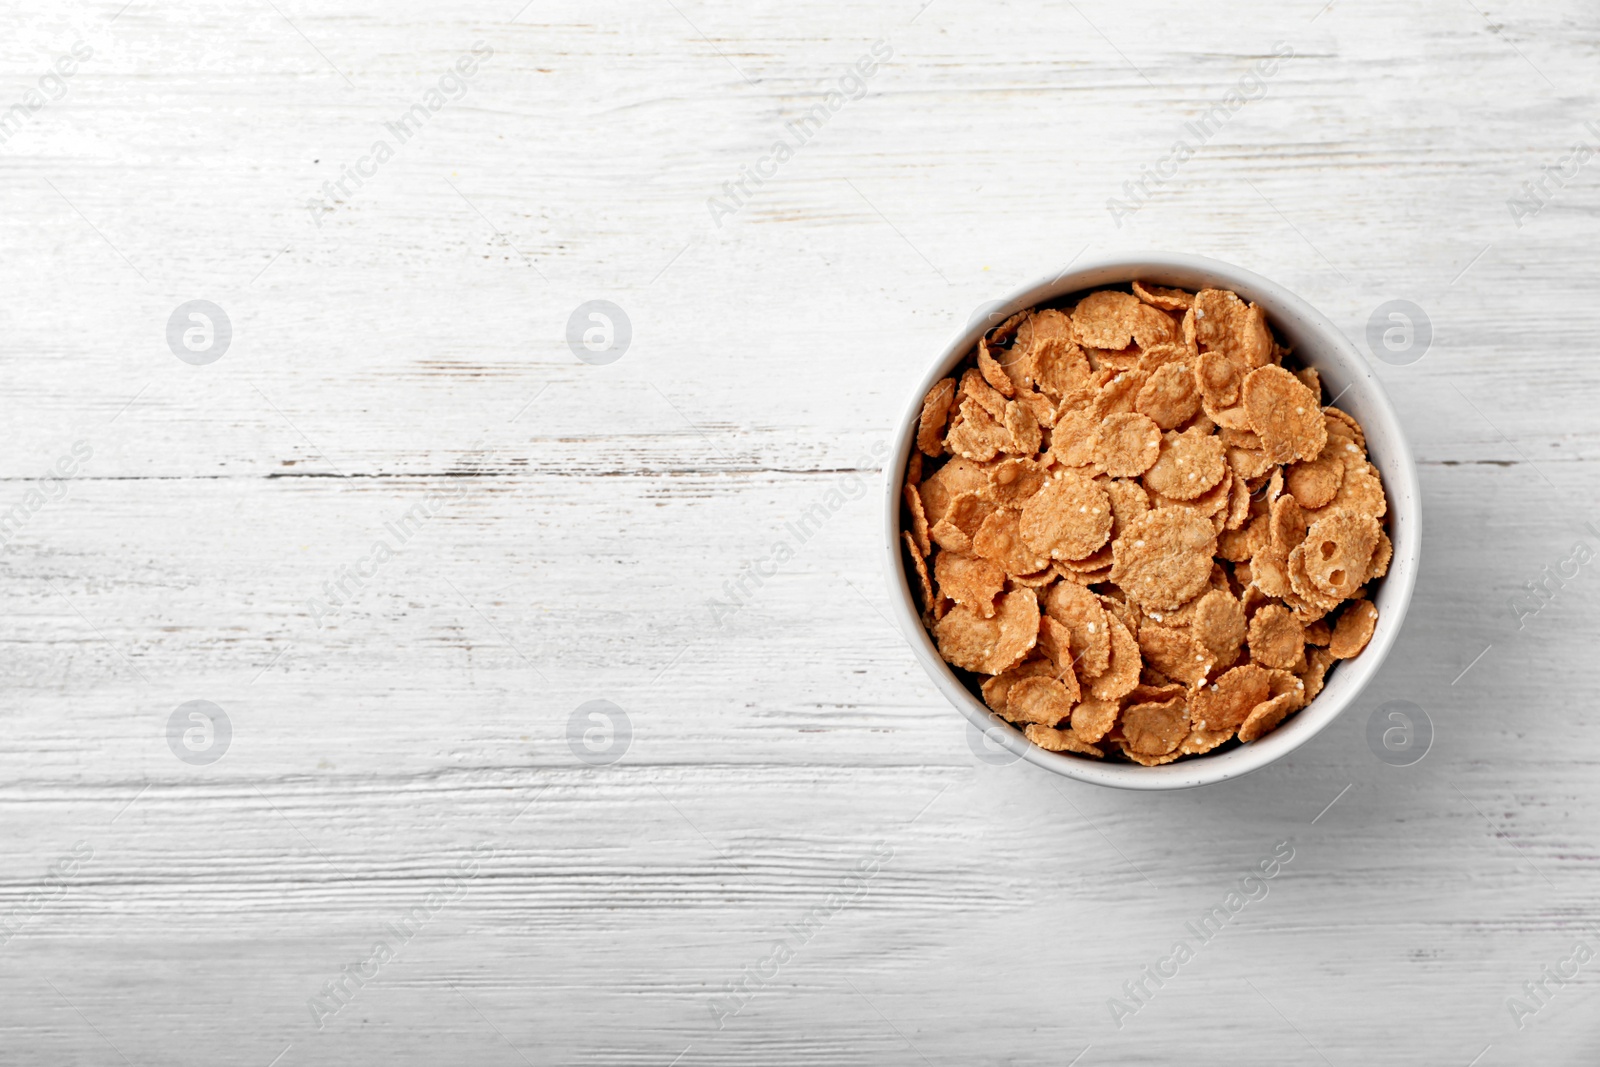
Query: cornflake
(1136, 530)
(1126, 445)
(1068, 518)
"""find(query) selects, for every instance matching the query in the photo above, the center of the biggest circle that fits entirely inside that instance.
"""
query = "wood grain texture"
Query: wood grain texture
(405, 347)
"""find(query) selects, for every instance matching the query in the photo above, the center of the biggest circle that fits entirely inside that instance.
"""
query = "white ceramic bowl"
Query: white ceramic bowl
(1344, 373)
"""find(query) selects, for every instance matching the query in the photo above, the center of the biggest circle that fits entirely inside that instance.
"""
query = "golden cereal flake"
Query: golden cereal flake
(1269, 568)
(1238, 505)
(1175, 653)
(1041, 700)
(1036, 580)
(1087, 624)
(996, 689)
(971, 581)
(1219, 624)
(1105, 319)
(1152, 326)
(1380, 555)
(1164, 558)
(1116, 602)
(1347, 427)
(1000, 539)
(1308, 601)
(1360, 490)
(1353, 629)
(1187, 465)
(1126, 445)
(1213, 503)
(1098, 560)
(947, 535)
(1055, 640)
(1123, 673)
(1068, 518)
(1039, 406)
(921, 566)
(1318, 660)
(1052, 740)
(1061, 372)
(935, 412)
(1072, 442)
(1248, 463)
(1179, 616)
(919, 520)
(1164, 354)
(1092, 719)
(1156, 729)
(943, 485)
(1119, 394)
(1023, 434)
(975, 435)
(1286, 683)
(990, 645)
(1128, 502)
(1265, 717)
(1284, 414)
(1114, 359)
(1276, 638)
(993, 373)
(1166, 299)
(968, 510)
(1168, 396)
(1147, 694)
(1315, 482)
(1143, 760)
(1274, 485)
(1338, 551)
(1086, 578)
(1044, 327)
(1227, 702)
(1240, 439)
(1224, 323)
(1013, 481)
(974, 387)
(1288, 524)
(1007, 329)
(1017, 363)
(1202, 741)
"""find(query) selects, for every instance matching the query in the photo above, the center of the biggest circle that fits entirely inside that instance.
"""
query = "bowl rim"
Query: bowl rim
(1398, 469)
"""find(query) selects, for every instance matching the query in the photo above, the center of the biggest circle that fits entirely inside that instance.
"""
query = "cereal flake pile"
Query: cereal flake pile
(1137, 529)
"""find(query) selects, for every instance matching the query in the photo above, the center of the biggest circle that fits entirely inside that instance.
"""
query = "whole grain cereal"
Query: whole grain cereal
(1137, 531)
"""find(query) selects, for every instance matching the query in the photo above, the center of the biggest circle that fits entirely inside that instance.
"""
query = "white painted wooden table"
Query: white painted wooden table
(398, 348)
